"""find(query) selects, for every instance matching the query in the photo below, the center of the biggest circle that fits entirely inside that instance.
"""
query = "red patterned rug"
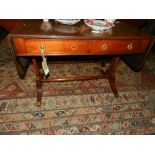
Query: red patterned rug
(79, 107)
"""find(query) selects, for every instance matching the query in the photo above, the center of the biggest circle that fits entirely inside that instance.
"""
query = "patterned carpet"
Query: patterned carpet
(79, 107)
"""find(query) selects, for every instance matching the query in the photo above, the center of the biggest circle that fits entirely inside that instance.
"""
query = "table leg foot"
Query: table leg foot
(39, 94)
(38, 104)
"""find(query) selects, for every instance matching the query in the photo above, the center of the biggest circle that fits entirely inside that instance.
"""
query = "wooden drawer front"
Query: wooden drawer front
(76, 47)
(56, 47)
(52, 47)
(118, 46)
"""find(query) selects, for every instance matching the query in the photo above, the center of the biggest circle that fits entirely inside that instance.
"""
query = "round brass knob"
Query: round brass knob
(74, 47)
(42, 47)
(104, 46)
(129, 47)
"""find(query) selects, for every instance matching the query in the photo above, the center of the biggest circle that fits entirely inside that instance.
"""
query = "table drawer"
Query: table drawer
(118, 46)
(52, 47)
(80, 47)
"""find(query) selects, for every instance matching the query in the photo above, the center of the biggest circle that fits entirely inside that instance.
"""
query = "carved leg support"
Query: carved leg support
(110, 74)
(112, 71)
(38, 82)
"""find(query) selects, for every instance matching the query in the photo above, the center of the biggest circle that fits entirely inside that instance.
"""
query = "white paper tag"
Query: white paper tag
(44, 66)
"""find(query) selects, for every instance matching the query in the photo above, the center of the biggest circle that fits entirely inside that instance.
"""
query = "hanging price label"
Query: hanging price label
(45, 66)
(44, 62)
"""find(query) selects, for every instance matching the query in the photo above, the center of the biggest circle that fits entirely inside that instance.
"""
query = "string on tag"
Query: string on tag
(42, 47)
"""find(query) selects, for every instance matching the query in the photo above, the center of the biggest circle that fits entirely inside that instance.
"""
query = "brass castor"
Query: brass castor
(38, 104)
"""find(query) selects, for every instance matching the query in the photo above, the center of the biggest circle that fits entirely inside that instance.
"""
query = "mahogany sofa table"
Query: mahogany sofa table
(27, 39)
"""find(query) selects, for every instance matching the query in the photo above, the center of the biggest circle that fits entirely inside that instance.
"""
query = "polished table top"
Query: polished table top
(32, 28)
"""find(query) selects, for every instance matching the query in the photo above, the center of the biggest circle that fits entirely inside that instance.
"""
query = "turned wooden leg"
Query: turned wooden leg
(38, 82)
(112, 71)
(110, 74)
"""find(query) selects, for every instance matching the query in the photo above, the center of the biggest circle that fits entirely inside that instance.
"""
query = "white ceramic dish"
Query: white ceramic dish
(98, 25)
(68, 21)
(110, 20)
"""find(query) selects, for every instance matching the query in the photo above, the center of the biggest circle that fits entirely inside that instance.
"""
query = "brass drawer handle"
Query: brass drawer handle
(74, 47)
(129, 47)
(42, 47)
(104, 46)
